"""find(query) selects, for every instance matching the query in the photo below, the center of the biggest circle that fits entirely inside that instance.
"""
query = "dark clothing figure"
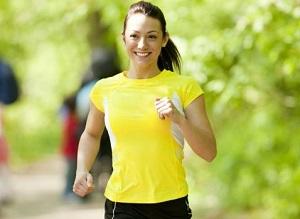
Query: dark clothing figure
(9, 89)
(103, 65)
(69, 147)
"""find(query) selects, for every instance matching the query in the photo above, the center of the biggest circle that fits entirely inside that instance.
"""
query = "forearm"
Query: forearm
(87, 151)
(201, 141)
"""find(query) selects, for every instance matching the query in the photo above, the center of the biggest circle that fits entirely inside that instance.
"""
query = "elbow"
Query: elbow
(207, 151)
(213, 152)
(211, 156)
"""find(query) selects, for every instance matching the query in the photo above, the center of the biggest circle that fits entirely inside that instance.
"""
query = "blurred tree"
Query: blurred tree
(244, 54)
(250, 70)
(50, 44)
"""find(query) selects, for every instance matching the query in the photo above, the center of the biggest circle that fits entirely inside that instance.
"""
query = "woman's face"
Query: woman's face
(143, 40)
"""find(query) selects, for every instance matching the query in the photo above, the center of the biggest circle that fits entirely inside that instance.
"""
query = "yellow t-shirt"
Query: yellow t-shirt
(147, 151)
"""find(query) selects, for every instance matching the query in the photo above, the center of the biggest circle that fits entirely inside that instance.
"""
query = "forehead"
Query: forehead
(142, 23)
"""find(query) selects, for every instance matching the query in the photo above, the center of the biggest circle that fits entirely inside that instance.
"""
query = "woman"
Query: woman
(148, 111)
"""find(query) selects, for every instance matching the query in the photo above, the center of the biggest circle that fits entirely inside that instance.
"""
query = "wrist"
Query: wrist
(82, 171)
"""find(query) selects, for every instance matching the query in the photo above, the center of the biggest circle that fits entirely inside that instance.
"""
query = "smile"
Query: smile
(142, 54)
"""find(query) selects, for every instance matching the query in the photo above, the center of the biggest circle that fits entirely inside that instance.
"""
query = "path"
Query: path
(37, 195)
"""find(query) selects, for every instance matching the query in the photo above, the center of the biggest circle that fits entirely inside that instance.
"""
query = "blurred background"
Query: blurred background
(245, 54)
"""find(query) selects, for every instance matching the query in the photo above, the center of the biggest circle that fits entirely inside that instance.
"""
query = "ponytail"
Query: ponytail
(169, 57)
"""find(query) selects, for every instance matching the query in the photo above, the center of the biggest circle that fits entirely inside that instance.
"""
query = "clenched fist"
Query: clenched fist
(83, 184)
(166, 109)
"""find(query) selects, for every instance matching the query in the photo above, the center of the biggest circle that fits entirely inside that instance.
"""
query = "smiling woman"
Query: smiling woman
(148, 110)
(144, 39)
(151, 20)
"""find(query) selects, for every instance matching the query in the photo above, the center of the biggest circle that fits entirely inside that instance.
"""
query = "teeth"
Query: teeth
(142, 54)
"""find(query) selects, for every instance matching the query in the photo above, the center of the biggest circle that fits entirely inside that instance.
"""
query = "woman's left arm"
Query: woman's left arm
(197, 130)
(195, 125)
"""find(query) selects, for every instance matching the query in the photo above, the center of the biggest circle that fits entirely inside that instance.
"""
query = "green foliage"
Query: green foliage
(33, 133)
(46, 43)
(250, 72)
(243, 53)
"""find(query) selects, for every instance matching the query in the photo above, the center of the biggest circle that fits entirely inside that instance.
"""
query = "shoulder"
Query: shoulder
(180, 79)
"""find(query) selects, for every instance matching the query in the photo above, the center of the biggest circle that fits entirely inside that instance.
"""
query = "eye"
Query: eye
(152, 37)
(133, 36)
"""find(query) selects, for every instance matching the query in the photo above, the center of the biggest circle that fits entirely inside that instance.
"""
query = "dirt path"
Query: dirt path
(37, 195)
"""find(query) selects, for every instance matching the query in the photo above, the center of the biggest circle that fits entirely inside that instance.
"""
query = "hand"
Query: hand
(166, 109)
(83, 184)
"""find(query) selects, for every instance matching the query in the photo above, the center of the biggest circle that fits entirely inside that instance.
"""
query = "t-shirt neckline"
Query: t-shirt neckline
(141, 80)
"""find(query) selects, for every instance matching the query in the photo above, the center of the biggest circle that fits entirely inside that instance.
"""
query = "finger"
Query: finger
(157, 106)
(161, 100)
(81, 184)
(90, 183)
(90, 189)
(80, 191)
(80, 187)
(167, 113)
(161, 116)
(165, 108)
(89, 180)
(162, 104)
(159, 112)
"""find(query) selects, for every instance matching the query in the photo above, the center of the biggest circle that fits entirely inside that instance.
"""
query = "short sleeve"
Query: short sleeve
(96, 96)
(192, 90)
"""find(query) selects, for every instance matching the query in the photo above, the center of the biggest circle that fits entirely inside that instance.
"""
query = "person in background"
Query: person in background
(148, 111)
(5, 184)
(103, 64)
(69, 145)
(9, 94)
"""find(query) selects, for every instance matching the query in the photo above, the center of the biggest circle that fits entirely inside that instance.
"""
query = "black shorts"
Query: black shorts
(174, 209)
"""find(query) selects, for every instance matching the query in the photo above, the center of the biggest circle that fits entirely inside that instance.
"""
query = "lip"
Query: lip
(142, 54)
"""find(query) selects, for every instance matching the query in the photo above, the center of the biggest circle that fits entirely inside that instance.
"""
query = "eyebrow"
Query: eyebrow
(151, 31)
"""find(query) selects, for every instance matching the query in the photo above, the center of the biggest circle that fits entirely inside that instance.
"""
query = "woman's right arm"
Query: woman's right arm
(87, 151)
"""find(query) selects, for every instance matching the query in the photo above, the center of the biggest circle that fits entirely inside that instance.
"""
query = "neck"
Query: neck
(142, 73)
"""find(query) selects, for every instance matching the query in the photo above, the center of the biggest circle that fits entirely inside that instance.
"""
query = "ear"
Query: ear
(165, 39)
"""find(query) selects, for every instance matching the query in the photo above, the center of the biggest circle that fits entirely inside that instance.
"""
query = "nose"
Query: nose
(142, 43)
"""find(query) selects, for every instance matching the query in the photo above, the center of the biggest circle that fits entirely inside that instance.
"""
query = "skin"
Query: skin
(87, 151)
(143, 40)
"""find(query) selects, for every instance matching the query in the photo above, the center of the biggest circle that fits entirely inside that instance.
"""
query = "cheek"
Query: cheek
(158, 49)
(128, 44)
(129, 48)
